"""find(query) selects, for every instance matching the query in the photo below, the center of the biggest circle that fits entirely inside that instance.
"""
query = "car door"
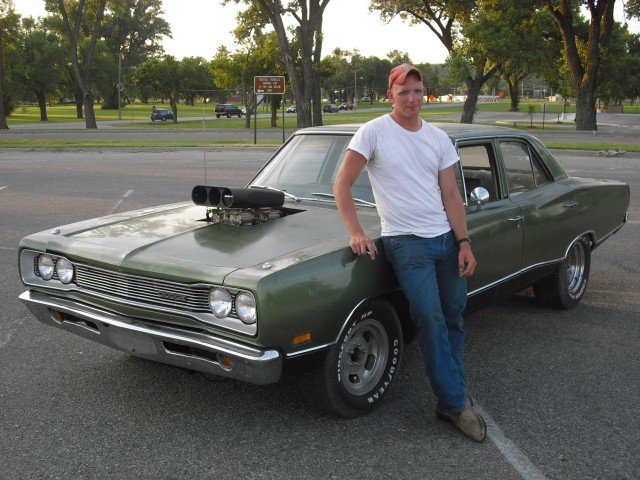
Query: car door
(548, 207)
(496, 227)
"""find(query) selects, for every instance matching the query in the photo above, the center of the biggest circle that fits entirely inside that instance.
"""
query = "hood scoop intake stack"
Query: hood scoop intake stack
(240, 206)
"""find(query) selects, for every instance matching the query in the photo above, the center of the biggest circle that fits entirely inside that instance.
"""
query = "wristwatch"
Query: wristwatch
(463, 240)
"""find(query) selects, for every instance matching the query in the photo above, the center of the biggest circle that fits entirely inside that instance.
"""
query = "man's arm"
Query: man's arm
(351, 167)
(454, 208)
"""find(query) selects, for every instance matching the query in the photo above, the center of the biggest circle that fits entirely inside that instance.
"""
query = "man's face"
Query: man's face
(408, 97)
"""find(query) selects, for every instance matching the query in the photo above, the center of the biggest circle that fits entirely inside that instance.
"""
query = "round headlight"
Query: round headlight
(220, 302)
(64, 268)
(45, 267)
(246, 307)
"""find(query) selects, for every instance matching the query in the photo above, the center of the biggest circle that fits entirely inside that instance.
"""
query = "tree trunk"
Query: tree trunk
(586, 109)
(173, 101)
(469, 109)
(42, 105)
(90, 115)
(473, 91)
(79, 112)
(512, 85)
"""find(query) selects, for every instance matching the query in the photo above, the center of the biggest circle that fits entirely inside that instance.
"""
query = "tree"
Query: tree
(299, 65)
(512, 35)
(620, 68)
(469, 60)
(584, 57)
(196, 77)
(9, 26)
(163, 76)
(133, 32)
(43, 56)
(74, 15)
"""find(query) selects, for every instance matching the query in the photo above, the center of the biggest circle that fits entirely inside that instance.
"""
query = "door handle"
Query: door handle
(517, 218)
(571, 204)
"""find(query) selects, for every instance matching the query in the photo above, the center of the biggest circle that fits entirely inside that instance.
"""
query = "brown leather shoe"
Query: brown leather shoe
(468, 422)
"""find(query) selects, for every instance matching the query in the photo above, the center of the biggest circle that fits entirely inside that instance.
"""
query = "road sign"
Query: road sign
(268, 85)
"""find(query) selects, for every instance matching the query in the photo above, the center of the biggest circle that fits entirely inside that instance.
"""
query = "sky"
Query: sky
(199, 27)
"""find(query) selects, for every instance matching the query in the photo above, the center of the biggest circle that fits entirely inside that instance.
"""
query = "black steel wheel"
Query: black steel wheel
(358, 371)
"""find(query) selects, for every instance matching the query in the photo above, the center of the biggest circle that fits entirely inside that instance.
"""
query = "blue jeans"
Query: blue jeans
(427, 269)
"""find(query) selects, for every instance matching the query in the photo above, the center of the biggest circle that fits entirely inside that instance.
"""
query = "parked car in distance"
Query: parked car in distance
(161, 114)
(346, 106)
(329, 108)
(291, 109)
(365, 99)
(227, 110)
(242, 282)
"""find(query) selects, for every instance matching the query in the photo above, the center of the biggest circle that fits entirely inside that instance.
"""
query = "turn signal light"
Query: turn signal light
(305, 337)
(224, 361)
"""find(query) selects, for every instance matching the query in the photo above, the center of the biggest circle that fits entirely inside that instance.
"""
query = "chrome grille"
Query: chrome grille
(190, 297)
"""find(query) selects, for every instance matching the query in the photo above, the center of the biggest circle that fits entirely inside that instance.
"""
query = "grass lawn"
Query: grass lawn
(138, 111)
(201, 116)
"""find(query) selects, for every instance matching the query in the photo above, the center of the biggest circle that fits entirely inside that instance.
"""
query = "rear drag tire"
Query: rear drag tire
(567, 285)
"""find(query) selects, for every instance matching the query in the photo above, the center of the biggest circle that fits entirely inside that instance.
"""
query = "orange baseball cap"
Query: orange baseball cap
(399, 74)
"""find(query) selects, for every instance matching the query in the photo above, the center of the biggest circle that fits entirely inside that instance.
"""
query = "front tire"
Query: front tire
(566, 287)
(357, 372)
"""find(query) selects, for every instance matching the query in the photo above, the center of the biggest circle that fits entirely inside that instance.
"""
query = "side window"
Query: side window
(477, 168)
(524, 172)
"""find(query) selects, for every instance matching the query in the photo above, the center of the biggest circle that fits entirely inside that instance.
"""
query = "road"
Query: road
(612, 128)
(559, 389)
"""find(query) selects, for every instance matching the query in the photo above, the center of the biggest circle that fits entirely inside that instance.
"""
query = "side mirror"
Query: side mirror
(479, 196)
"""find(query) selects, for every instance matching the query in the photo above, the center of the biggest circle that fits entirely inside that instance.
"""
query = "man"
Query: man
(424, 233)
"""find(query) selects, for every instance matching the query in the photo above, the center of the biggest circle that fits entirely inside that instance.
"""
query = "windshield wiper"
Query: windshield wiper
(356, 200)
(267, 187)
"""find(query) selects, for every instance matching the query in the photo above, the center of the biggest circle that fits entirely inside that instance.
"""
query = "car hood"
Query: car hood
(177, 242)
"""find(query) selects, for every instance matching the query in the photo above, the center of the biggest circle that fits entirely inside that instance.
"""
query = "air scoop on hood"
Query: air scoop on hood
(240, 206)
(230, 197)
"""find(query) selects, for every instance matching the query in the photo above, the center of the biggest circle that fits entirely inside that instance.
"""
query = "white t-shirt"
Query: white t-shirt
(403, 168)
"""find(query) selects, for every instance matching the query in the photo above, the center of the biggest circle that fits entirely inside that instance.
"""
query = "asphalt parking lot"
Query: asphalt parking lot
(559, 388)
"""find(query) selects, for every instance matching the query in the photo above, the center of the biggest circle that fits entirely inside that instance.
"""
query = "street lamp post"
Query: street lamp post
(119, 86)
(355, 90)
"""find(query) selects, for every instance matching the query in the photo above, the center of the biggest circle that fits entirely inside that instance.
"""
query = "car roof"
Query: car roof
(456, 131)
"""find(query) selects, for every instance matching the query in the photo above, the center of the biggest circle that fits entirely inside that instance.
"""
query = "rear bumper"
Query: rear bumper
(197, 351)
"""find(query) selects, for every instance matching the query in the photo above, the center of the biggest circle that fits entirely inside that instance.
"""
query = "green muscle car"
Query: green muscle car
(243, 282)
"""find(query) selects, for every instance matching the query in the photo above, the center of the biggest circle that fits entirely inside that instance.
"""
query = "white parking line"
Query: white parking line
(2, 188)
(117, 206)
(516, 457)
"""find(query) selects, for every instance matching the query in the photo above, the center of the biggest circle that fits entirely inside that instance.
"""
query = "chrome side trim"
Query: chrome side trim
(513, 275)
(199, 351)
(311, 350)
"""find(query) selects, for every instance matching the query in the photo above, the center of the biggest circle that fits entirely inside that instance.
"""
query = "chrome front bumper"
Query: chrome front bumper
(197, 351)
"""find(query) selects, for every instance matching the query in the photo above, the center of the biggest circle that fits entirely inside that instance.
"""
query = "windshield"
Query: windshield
(307, 165)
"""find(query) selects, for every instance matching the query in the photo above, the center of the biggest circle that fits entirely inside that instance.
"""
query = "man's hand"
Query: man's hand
(363, 245)
(466, 261)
